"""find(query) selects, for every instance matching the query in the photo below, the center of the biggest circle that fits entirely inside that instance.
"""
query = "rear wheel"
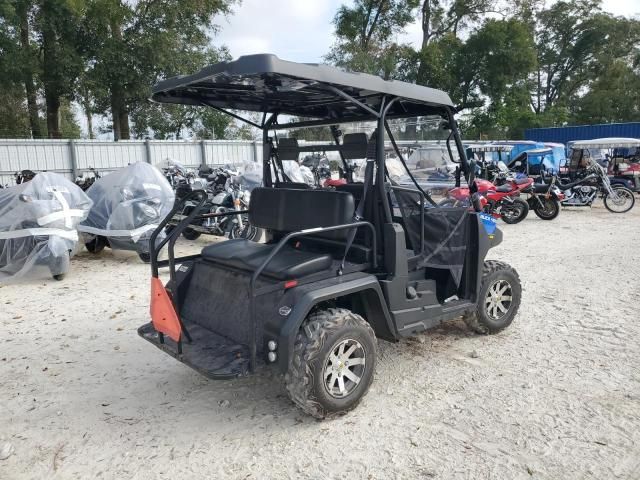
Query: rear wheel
(190, 234)
(498, 300)
(622, 202)
(333, 362)
(96, 245)
(546, 208)
(514, 212)
(145, 256)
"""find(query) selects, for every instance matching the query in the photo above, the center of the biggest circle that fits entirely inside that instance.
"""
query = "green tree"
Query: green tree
(612, 97)
(134, 44)
(365, 35)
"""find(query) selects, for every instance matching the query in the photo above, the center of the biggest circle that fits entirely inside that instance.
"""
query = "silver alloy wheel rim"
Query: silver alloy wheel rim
(344, 368)
(620, 198)
(498, 299)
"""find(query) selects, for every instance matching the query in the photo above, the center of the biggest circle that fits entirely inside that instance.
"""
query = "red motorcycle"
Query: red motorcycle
(502, 201)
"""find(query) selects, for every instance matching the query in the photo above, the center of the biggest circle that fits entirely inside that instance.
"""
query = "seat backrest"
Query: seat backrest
(354, 146)
(288, 149)
(288, 210)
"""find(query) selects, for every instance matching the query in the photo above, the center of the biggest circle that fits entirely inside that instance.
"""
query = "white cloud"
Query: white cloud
(301, 30)
(298, 30)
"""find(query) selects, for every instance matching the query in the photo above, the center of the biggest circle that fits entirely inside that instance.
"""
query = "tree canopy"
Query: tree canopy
(508, 65)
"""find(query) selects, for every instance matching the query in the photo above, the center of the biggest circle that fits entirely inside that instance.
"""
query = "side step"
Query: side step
(210, 354)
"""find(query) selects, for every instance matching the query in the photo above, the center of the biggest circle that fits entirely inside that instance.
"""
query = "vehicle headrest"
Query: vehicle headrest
(288, 149)
(289, 210)
(354, 146)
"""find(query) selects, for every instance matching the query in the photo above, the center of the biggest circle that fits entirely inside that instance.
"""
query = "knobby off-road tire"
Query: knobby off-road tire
(495, 277)
(314, 363)
(517, 212)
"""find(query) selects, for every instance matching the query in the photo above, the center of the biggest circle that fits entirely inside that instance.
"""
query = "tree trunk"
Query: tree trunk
(115, 111)
(124, 123)
(53, 115)
(89, 115)
(119, 112)
(32, 105)
(51, 85)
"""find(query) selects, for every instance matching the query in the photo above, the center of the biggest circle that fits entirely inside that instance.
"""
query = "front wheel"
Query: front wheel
(334, 358)
(246, 231)
(145, 256)
(621, 202)
(514, 212)
(546, 208)
(498, 300)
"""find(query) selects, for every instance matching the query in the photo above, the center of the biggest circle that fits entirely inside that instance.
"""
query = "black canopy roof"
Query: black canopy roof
(264, 83)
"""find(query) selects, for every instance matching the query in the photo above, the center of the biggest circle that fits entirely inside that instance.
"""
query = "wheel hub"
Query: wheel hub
(498, 299)
(344, 368)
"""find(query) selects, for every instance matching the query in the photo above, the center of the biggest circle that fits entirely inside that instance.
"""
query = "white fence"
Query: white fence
(72, 157)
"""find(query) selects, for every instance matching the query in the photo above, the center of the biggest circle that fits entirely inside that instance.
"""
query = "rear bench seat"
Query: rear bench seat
(282, 211)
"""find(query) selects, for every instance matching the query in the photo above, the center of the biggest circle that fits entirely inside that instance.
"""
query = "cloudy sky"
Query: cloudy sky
(301, 30)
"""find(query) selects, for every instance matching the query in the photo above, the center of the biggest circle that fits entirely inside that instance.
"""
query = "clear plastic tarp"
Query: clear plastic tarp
(128, 205)
(38, 221)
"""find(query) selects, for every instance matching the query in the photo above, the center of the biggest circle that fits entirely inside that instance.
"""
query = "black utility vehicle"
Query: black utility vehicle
(341, 266)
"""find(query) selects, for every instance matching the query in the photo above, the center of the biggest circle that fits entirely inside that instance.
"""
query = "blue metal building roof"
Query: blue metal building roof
(583, 132)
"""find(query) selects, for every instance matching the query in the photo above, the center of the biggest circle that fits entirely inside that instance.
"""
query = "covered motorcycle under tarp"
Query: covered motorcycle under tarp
(128, 205)
(38, 221)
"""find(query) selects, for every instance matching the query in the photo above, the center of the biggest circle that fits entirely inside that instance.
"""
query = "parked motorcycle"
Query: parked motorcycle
(127, 206)
(85, 179)
(503, 201)
(544, 199)
(38, 221)
(24, 176)
(227, 191)
(592, 183)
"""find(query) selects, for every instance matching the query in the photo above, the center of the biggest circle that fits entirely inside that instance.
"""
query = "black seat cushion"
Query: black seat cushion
(504, 188)
(288, 264)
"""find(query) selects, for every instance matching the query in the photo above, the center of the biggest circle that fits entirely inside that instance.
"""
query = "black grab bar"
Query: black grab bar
(278, 247)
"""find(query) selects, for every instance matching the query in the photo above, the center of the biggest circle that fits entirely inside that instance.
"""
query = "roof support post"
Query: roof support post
(380, 164)
(456, 136)
(266, 151)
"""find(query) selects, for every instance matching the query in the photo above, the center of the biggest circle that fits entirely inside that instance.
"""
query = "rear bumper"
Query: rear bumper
(209, 354)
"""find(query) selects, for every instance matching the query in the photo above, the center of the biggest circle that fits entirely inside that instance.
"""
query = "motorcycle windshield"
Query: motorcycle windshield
(38, 221)
(128, 205)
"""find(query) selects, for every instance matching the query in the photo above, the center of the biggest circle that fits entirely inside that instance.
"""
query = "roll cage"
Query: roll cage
(320, 95)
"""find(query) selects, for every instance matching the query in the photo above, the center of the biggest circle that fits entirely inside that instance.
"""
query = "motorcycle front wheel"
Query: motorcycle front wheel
(623, 203)
(246, 231)
(515, 212)
(547, 208)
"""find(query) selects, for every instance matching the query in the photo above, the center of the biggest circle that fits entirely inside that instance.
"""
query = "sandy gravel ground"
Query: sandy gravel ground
(556, 396)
